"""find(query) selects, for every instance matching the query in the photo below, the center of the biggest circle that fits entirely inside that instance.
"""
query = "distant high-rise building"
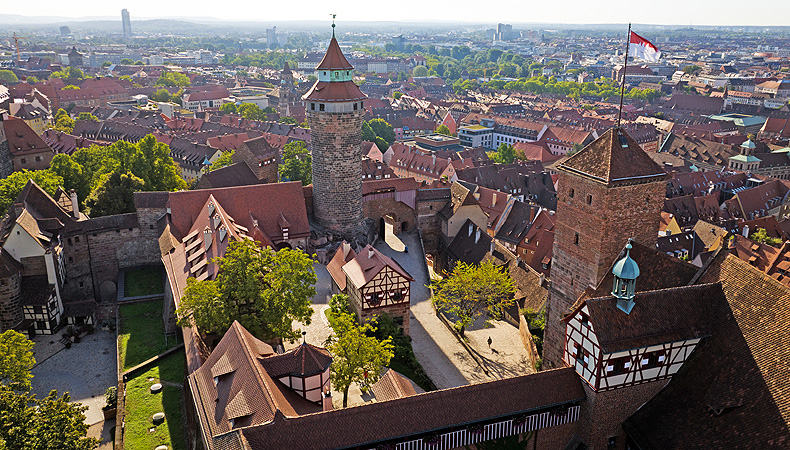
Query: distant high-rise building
(127, 24)
(65, 31)
(271, 36)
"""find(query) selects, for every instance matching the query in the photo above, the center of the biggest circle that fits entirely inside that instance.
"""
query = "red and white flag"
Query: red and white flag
(642, 48)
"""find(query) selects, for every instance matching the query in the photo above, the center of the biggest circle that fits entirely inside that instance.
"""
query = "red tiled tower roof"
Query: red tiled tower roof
(334, 59)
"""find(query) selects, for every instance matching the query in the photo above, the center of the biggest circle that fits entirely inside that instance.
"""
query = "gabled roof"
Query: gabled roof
(471, 243)
(22, 139)
(658, 317)
(302, 361)
(334, 59)
(609, 161)
(368, 263)
(233, 384)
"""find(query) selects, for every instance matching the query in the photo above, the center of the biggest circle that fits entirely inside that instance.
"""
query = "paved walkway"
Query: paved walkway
(66, 370)
(445, 360)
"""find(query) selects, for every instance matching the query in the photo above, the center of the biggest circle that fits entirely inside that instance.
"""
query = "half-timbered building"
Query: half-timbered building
(375, 284)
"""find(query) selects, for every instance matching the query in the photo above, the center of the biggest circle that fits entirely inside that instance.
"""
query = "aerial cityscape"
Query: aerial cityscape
(373, 230)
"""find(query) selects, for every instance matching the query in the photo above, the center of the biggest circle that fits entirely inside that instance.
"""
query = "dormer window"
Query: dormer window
(211, 208)
(216, 220)
(222, 233)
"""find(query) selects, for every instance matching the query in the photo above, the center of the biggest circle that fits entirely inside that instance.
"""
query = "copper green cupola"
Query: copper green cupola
(625, 272)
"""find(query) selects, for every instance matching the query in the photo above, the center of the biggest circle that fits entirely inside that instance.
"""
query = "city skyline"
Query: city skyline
(575, 12)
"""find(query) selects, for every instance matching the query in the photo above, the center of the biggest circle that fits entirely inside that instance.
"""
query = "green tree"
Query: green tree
(161, 95)
(12, 185)
(63, 122)
(114, 195)
(139, 63)
(472, 290)
(173, 79)
(762, 237)
(505, 154)
(61, 425)
(286, 119)
(266, 291)
(356, 355)
(8, 76)
(225, 159)
(16, 360)
(367, 133)
(297, 163)
(443, 129)
(69, 72)
(126, 62)
(691, 69)
(251, 111)
(420, 71)
(70, 87)
(397, 95)
(383, 129)
(87, 116)
(228, 107)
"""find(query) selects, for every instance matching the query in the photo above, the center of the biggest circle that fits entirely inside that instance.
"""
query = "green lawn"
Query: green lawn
(142, 333)
(141, 405)
(145, 281)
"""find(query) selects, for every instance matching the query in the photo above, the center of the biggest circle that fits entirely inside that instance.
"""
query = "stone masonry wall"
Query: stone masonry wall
(148, 242)
(376, 209)
(429, 223)
(603, 413)
(336, 140)
(10, 302)
(604, 226)
(6, 161)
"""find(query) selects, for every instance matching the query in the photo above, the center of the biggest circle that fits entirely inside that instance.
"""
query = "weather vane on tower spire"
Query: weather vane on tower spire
(333, 25)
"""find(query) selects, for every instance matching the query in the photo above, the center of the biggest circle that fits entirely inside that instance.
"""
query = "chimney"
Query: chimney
(326, 400)
(346, 247)
(370, 252)
(75, 205)
(434, 160)
(746, 231)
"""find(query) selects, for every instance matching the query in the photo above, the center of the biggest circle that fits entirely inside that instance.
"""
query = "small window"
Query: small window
(585, 319)
(76, 239)
(653, 359)
(71, 259)
(69, 242)
(576, 238)
(570, 194)
(24, 161)
(589, 199)
(321, 107)
(355, 106)
(618, 366)
(38, 158)
(312, 106)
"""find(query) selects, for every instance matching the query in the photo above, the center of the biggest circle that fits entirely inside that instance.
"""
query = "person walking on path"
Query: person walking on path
(489, 342)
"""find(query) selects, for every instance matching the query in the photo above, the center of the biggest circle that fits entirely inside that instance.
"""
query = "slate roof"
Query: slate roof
(518, 222)
(734, 391)
(471, 244)
(658, 317)
(238, 174)
(304, 360)
(392, 386)
(607, 161)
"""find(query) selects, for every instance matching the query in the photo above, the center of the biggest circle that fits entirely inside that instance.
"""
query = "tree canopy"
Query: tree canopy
(89, 168)
(63, 122)
(504, 154)
(11, 186)
(16, 360)
(380, 132)
(420, 71)
(357, 356)
(8, 76)
(264, 290)
(472, 290)
(173, 79)
(68, 72)
(225, 159)
(297, 163)
(114, 194)
(762, 237)
(443, 129)
(50, 423)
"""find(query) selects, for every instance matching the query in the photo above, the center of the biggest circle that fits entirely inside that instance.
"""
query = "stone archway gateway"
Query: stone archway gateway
(107, 291)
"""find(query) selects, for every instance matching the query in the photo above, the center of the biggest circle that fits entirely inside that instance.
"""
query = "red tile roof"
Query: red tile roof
(22, 140)
(334, 59)
(343, 91)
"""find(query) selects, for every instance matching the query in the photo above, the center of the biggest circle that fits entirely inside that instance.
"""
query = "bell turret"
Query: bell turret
(625, 272)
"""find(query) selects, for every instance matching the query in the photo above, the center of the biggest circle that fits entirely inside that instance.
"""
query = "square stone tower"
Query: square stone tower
(335, 112)
(607, 193)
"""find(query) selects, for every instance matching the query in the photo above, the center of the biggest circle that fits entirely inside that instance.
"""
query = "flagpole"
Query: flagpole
(625, 71)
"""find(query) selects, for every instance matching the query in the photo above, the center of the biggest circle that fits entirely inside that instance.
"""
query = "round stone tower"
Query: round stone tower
(335, 112)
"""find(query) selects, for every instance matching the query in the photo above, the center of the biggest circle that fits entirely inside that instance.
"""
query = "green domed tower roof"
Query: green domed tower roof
(626, 268)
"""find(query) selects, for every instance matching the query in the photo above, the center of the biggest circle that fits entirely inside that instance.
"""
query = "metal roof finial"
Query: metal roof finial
(333, 25)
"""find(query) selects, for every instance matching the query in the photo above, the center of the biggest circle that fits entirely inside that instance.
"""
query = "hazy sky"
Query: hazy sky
(671, 12)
